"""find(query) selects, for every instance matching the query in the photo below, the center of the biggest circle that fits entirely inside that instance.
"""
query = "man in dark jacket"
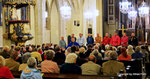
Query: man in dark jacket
(90, 39)
(133, 40)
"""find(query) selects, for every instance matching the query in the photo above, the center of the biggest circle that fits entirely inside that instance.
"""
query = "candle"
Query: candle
(146, 37)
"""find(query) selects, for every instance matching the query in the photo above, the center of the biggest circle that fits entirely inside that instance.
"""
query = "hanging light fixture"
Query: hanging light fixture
(96, 12)
(124, 6)
(65, 11)
(132, 14)
(143, 10)
(89, 15)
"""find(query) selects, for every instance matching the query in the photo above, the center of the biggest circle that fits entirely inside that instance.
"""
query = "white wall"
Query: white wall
(55, 28)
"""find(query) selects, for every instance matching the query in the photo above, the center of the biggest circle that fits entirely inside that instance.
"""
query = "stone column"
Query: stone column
(100, 17)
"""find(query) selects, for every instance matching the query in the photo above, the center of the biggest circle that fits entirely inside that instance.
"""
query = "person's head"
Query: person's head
(82, 50)
(113, 55)
(73, 49)
(25, 57)
(73, 40)
(2, 61)
(92, 58)
(62, 38)
(14, 55)
(57, 49)
(31, 62)
(124, 52)
(143, 47)
(6, 48)
(13, 46)
(132, 34)
(89, 35)
(17, 48)
(43, 45)
(130, 47)
(50, 54)
(80, 35)
(96, 47)
(95, 52)
(115, 33)
(71, 58)
(106, 34)
(119, 48)
(124, 34)
(39, 49)
(137, 49)
(69, 50)
(72, 35)
(90, 46)
(97, 34)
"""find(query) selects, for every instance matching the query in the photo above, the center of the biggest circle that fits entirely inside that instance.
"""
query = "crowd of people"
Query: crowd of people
(76, 58)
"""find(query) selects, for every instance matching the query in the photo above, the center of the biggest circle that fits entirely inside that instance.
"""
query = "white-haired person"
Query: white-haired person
(48, 66)
(4, 71)
(97, 54)
(113, 67)
(31, 72)
(70, 67)
(25, 58)
(130, 50)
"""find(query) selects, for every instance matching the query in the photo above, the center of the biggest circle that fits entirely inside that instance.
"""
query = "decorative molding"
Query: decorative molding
(111, 11)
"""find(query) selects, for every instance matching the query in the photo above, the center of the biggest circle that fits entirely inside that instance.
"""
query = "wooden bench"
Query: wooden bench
(68, 76)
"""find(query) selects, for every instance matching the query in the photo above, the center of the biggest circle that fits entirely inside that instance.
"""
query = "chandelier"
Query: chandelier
(143, 10)
(65, 11)
(124, 6)
(132, 14)
(88, 15)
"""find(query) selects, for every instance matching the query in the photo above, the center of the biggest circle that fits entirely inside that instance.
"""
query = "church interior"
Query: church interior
(76, 39)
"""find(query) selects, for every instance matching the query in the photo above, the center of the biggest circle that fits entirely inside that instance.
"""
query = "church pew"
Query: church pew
(68, 76)
(132, 67)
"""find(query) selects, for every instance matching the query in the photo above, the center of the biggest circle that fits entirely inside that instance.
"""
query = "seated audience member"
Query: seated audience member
(28, 49)
(81, 57)
(130, 50)
(18, 49)
(40, 50)
(124, 55)
(48, 66)
(145, 54)
(5, 52)
(97, 54)
(70, 67)
(137, 54)
(5, 73)
(89, 51)
(11, 62)
(73, 42)
(107, 55)
(90, 68)
(68, 51)
(25, 58)
(12, 47)
(37, 55)
(119, 50)
(112, 67)
(31, 71)
(59, 56)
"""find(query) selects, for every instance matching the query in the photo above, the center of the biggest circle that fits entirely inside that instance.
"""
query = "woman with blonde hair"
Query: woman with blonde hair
(4, 71)
(130, 50)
